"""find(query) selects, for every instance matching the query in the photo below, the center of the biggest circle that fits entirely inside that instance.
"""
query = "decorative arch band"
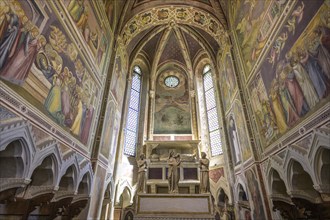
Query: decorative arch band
(172, 15)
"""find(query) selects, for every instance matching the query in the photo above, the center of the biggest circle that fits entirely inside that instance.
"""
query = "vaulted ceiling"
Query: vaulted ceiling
(172, 31)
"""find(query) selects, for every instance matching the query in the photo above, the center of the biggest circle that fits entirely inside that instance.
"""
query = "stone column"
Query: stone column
(151, 113)
(97, 192)
(193, 115)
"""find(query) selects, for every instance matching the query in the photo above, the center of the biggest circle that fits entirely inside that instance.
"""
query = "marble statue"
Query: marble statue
(142, 166)
(204, 174)
(173, 162)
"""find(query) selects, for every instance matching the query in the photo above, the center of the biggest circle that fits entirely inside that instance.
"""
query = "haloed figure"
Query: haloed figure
(142, 165)
(204, 175)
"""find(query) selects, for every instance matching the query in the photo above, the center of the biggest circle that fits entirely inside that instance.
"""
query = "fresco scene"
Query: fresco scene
(83, 16)
(118, 81)
(255, 195)
(241, 131)
(227, 81)
(295, 76)
(40, 62)
(172, 109)
(109, 119)
(253, 22)
(233, 140)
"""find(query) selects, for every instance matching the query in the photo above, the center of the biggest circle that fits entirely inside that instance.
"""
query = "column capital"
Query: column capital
(152, 94)
(192, 93)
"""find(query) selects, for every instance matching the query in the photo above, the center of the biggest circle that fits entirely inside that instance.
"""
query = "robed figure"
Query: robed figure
(204, 174)
(173, 175)
(142, 169)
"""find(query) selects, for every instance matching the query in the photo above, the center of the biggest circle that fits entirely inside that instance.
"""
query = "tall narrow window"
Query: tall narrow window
(211, 111)
(132, 122)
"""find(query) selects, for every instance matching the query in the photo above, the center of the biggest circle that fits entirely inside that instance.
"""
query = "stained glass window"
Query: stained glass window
(171, 81)
(211, 111)
(132, 122)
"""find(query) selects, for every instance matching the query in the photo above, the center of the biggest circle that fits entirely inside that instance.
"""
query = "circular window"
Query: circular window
(172, 81)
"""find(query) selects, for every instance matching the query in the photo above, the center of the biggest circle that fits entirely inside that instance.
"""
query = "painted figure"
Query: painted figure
(234, 139)
(305, 83)
(9, 38)
(18, 67)
(53, 102)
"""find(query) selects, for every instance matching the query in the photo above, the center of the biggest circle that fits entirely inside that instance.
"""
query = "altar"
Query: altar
(157, 152)
(151, 206)
(161, 202)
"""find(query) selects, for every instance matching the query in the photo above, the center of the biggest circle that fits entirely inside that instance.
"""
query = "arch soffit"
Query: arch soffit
(120, 187)
(51, 150)
(86, 169)
(292, 157)
(142, 62)
(223, 184)
(179, 14)
(240, 180)
(320, 141)
(273, 165)
(203, 60)
(72, 161)
(317, 165)
(23, 134)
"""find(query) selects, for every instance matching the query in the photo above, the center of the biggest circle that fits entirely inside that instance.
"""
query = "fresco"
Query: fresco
(39, 61)
(241, 129)
(234, 140)
(216, 174)
(114, 139)
(295, 76)
(228, 83)
(118, 81)
(113, 9)
(181, 14)
(253, 22)
(172, 109)
(255, 195)
(108, 126)
(84, 17)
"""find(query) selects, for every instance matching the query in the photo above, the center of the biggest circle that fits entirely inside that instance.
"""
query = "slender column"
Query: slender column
(193, 114)
(151, 113)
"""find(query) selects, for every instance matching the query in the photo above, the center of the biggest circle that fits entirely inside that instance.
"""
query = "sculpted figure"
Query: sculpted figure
(142, 165)
(204, 174)
(174, 162)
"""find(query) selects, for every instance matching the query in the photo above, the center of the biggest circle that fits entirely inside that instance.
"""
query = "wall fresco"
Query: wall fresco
(241, 130)
(172, 108)
(118, 81)
(256, 205)
(233, 140)
(228, 83)
(216, 174)
(108, 126)
(41, 63)
(253, 22)
(85, 19)
(295, 76)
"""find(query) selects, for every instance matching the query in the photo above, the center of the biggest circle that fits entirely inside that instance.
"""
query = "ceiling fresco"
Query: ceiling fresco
(172, 30)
